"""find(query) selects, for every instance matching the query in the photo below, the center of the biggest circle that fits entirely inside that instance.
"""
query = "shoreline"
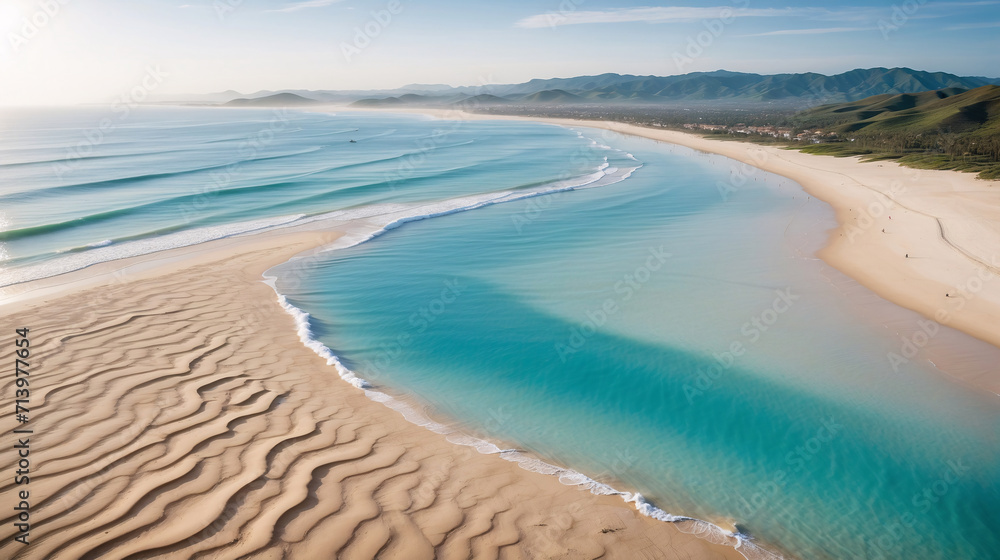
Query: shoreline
(942, 234)
(436, 498)
(623, 527)
(422, 415)
(156, 267)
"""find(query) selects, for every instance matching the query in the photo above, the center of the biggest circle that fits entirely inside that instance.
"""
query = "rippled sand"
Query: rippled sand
(176, 414)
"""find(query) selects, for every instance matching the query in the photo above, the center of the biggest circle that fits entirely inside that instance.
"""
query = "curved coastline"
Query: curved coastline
(925, 240)
(706, 530)
(565, 476)
(568, 477)
(712, 532)
(57, 296)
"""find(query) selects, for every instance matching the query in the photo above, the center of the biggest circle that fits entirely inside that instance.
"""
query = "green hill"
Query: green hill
(950, 110)
(949, 128)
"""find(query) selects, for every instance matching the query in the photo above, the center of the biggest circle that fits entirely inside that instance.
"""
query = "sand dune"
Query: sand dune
(177, 415)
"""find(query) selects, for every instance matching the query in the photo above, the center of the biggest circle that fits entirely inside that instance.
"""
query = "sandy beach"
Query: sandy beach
(177, 414)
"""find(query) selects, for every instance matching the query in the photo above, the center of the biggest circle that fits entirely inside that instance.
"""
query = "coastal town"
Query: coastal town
(815, 136)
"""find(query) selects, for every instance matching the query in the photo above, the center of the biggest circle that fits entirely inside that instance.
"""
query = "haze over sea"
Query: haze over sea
(658, 332)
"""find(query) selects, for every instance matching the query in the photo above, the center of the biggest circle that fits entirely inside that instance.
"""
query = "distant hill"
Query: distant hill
(552, 96)
(470, 103)
(784, 90)
(276, 100)
(408, 99)
(949, 110)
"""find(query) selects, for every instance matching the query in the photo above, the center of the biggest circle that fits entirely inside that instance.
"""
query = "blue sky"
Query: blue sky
(96, 49)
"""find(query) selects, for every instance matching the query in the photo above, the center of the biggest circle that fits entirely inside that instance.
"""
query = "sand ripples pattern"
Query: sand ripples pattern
(180, 417)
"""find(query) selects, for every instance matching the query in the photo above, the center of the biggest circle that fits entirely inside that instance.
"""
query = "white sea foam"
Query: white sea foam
(305, 335)
(103, 251)
(395, 215)
(389, 216)
(107, 251)
(569, 477)
(386, 217)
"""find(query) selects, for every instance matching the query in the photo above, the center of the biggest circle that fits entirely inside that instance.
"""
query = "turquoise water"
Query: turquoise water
(563, 327)
(72, 180)
(651, 333)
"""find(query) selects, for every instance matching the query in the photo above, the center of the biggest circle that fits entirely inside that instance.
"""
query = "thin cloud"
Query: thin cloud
(967, 4)
(984, 25)
(678, 14)
(305, 5)
(811, 31)
(650, 15)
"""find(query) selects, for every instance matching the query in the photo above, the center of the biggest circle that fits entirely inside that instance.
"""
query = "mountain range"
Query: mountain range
(805, 89)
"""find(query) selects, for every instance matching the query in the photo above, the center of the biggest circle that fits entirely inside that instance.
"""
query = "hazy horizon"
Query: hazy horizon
(65, 51)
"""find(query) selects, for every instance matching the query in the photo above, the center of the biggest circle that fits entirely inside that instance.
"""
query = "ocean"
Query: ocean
(624, 314)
